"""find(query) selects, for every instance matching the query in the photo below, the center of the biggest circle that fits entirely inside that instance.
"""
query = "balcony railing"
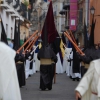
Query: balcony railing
(23, 10)
(9, 1)
(17, 4)
(66, 4)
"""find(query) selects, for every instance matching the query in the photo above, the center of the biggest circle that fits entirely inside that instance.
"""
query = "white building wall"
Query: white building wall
(60, 17)
(0, 30)
(57, 6)
(8, 20)
(44, 7)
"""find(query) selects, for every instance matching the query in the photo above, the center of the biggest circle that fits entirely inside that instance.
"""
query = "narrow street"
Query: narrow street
(63, 89)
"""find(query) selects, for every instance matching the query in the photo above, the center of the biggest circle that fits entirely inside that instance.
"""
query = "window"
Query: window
(11, 32)
(6, 29)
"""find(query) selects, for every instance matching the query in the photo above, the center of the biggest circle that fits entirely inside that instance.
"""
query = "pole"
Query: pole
(35, 41)
(55, 74)
(27, 41)
(76, 47)
(32, 42)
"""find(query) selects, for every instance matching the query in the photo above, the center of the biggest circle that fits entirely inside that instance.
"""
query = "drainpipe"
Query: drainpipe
(67, 16)
(86, 11)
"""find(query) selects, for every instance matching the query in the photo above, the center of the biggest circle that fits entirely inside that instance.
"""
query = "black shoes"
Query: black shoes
(49, 88)
(73, 79)
(77, 79)
(70, 77)
(43, 89)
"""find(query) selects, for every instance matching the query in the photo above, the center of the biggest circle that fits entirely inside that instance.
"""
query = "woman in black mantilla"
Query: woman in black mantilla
(47, 57)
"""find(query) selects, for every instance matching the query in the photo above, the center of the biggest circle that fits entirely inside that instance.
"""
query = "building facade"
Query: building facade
(96, 5)
(76, 12)
(11, 10)
(43, 8)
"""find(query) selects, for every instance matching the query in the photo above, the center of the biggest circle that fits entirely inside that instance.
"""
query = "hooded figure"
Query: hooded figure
(89, 50)
(47, 57)
(19, 60)
(89, 86)
(9, 87)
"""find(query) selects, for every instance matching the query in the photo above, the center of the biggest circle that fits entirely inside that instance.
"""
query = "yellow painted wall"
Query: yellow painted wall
(24, 30)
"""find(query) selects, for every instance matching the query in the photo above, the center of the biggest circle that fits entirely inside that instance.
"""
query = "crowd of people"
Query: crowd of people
(84, 68)
(89, 86)
(74, 65)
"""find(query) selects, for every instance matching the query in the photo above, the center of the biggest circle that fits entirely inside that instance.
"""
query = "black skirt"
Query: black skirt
(46, 76)
(21, 74)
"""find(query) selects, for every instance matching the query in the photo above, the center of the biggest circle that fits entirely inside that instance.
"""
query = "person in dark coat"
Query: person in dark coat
(47, 59)
(19, 60)
(90, 54)
(99, 45)
(76, 65)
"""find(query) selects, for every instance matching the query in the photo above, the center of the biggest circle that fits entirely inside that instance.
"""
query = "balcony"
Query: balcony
(23, 10)
(17, 4)
(62, 12)
(9, 1)
(7, 4)
(66, 4)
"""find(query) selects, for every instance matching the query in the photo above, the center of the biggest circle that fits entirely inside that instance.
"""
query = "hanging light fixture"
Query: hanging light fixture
(92, 10)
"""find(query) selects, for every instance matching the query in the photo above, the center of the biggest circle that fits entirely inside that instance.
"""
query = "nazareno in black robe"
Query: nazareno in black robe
(76, 62)
(46, 71)
(20, 69)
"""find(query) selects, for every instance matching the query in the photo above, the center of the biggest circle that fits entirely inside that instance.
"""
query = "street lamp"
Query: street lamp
(92, 10)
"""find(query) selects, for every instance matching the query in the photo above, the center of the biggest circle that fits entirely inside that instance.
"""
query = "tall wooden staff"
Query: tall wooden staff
(55, 75)
(76, 47)
(72, 36)
(31, 43)
(35, 41)
(27, 41)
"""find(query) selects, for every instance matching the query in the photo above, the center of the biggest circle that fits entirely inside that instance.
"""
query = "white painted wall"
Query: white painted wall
(10, 21)
(44, 7)
(57, 6)
(0, 30)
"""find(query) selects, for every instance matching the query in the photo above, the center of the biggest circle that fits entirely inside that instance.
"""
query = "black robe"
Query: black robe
(76, 62)
(47, 70)
(29, 55)
(20, 69)
(90, 55)
(31, 63)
